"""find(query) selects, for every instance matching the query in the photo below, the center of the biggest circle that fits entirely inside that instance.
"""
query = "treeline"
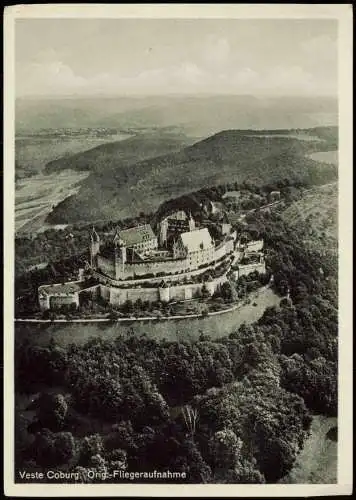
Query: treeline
(255, 195)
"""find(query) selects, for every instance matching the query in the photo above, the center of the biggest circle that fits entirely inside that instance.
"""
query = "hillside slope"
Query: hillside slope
(113, 156)
(316, 215)
(117, 189)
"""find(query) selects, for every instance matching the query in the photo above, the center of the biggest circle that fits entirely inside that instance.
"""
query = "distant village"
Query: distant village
(176, 259)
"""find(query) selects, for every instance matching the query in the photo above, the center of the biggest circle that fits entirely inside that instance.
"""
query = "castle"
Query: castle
(176, 264)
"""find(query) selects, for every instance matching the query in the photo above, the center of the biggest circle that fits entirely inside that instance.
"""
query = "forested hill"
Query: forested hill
(113, 156)
(117, 189)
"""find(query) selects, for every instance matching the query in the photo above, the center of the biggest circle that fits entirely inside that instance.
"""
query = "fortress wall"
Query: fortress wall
(105, 292)
(150, 294)
(106, 265)
(94, 291)
(230, 245)
(255, 246)
(176, 266)
(44, 303)
(65, 299)
(185, 275)
(178, 292)
(223, 249)
(250, 268)
(142, 268)
(119, 296)
(238, 254)
(202, 257)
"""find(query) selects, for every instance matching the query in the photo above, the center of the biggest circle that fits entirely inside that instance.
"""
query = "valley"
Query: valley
(37, 195)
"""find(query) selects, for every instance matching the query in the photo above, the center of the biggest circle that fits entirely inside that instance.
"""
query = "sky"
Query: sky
(85, 57)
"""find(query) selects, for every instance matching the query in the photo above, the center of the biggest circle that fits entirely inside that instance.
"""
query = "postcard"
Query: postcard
(178, 250)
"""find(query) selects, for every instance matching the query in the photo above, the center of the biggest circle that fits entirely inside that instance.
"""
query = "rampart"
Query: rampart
(118, 296)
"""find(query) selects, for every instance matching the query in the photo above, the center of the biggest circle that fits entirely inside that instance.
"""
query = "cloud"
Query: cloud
(53, 77)
(57, 78)
(245, 77)
(321, 49)
(217, 51)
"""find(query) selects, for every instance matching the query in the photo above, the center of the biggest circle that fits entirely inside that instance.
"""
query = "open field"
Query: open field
(32, 153)
(331, 157)
(36, 196)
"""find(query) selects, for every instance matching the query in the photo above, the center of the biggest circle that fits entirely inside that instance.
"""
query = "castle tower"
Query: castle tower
(94, 247)
(120, 255)
(191, 223)
(163, 230)
(164, 292)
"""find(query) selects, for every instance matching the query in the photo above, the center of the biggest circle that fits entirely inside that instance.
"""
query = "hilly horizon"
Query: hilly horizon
(197, 116)
(119, 187)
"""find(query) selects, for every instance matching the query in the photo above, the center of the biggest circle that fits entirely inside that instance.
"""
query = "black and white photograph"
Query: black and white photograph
(177, 188)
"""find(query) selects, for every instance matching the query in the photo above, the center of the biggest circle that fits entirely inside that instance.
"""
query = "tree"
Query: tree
(228, 292)
(189, 459)
(90, 446)
(205, 292)
(225, 449)
(51, 410)
(51, 449)
(190, 416)
(117, 460)
(65, 447)
(43, 448)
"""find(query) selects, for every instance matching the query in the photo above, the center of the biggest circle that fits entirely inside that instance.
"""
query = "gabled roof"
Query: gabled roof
(136, 235)
(199, 239)
(118, 240)
(178, 215)
(94, 235)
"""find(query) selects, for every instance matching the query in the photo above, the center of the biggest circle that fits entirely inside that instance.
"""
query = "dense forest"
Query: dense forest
(234, 410)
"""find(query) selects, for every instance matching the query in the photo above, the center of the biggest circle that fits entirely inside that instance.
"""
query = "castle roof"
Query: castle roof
(94, 235)
(136, 235)
(197, 240)
(118, 240)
